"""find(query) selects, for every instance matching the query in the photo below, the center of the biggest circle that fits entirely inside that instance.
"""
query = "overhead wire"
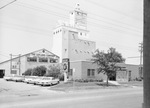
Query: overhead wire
(94, 18)
(61, 15)
(93, 14)
(116, 11)
(45, 11)
(8, 4)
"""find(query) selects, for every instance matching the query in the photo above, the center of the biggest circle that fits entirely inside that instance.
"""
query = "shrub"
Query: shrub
(61, 77)
(53, 71)
(27, 72)
(39, 71)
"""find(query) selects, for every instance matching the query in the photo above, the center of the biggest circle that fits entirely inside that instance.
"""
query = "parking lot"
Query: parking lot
(12, 88)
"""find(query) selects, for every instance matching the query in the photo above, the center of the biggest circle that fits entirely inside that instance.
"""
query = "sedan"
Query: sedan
(18, 78)
(8, 78)
(48, 81)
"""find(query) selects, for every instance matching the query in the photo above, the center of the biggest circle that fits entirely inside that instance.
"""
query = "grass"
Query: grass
(69, 86)
(133, 83)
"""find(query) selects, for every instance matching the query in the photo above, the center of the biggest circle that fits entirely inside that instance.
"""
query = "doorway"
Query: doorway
(2, 73)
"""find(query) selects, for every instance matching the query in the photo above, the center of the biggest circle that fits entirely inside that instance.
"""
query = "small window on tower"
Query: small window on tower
(76, 51)
(65, 50)
(80, 33)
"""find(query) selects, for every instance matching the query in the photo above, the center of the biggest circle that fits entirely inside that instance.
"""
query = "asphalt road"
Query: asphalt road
(114, 98)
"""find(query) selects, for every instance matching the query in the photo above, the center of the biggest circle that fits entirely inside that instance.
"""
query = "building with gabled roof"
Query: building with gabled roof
(20, 64)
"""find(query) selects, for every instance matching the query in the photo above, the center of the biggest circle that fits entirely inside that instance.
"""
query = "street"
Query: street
(131, 97)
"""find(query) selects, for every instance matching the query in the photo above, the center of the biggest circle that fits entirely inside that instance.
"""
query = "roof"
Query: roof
(28, 54)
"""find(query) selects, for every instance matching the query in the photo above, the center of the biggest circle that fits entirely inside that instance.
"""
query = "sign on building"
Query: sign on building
(66, 64)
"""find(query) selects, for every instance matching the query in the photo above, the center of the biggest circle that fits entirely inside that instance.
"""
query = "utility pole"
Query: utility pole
(146, 54)
(141, 55)
(19, 64)
(10, 63)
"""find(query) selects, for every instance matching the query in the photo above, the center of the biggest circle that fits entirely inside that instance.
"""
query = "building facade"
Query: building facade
(18, 65)
(71, 40)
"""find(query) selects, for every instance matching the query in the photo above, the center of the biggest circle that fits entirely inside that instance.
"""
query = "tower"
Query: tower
(71, 40)
(78, 18)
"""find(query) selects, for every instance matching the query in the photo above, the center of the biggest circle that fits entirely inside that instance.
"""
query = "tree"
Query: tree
(107, 62)
(27, 72)
(39, 71)
(53, 71)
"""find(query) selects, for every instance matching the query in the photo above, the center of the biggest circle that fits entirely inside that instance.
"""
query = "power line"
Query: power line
(27, 29)
(92, 17)
(47, 11)
(61, 4)
(116, 11)
(4, 55)
(7, 4)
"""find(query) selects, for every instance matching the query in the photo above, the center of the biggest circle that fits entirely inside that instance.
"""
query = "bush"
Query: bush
(39, 71)
(88, 80)
(28, 72)
(53, 71)
(61, 77)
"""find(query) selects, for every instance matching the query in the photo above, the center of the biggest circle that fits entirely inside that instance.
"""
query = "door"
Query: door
(2, 73)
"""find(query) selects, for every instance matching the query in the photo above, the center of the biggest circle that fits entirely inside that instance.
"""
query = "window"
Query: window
(91, 72)
(71, 72)
(65, 50)
(13, 71)
(76, 51)
(80, 33)
(32, 59)
(53, 60)
(88, 72)
(43, 59)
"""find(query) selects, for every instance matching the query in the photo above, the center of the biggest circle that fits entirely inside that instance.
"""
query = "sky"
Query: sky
(27, 25)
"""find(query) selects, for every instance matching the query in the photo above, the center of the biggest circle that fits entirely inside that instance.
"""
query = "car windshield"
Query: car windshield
(47, 78)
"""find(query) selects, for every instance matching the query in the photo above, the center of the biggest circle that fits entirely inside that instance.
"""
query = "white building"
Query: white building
(19, 65)
(71, 40)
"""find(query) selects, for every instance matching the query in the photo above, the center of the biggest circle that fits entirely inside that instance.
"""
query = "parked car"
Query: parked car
(18, 78)
(48, 81)
(8, 78)
(29, 78)
(34, 80)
